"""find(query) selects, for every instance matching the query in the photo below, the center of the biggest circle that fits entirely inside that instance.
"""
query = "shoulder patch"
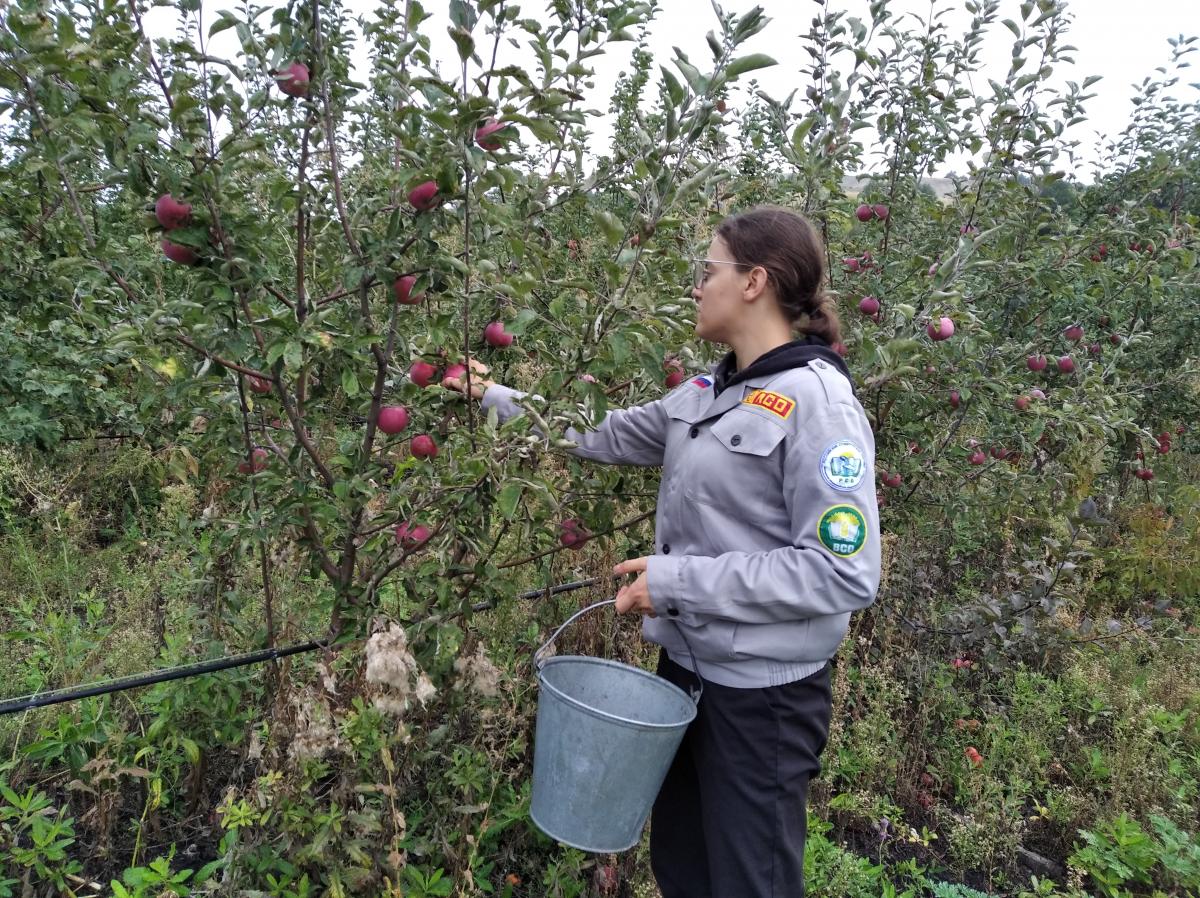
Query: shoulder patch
(842, 529)
(702, 381)
(843, 465)
(776, 404)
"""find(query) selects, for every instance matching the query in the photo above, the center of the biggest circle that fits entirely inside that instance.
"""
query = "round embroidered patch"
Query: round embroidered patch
(842, 530)
(843, 465)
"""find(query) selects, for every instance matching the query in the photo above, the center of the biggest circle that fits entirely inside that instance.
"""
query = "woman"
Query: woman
(766, 539)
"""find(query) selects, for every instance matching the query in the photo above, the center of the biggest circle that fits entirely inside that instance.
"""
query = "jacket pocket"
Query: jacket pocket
(784, 641)
(739, 466)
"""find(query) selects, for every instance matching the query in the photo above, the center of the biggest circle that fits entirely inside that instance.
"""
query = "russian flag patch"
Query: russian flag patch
(702, 381)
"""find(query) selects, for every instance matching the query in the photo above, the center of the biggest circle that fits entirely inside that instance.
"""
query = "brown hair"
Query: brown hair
(789, 248)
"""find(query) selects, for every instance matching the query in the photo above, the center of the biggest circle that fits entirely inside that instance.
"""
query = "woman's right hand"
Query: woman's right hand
(479, 383)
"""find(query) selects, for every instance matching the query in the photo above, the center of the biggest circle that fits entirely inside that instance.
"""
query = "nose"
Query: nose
(696, 293)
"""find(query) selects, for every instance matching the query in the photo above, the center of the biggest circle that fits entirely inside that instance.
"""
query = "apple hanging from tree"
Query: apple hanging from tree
(881, 211)
(574, 534)
(1021, 403)
(424, 196)
(869, 306)
(1036, 362)
(941, 329)
(892, 480)
(422, 373)
(1114, 339)
(864, 212)
(393, 419)
(171, 213)
(1144, 474)
(977, 457)
(675, 374)
(293, 79)
(403, 289)
(955, 399)
(1074, 333)
(495, 335)
(258, 384)
(1066, 364)
(411, 536)
(484, 134)
(258, 461)
(176, 253)
(423, 446)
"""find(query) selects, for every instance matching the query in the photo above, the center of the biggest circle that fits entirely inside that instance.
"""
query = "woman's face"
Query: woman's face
(719, 296)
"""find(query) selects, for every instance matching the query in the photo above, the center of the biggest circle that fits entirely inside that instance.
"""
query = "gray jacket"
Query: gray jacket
(767, 528)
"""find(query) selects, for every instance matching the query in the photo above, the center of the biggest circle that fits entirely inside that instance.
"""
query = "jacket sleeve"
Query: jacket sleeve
(632, 436)
(801, 580)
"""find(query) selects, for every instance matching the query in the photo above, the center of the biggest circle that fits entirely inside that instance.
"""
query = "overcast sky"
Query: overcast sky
(1119, 40)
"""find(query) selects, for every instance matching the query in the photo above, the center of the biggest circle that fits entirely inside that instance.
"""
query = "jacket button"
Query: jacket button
(695, 432)
(666, 548)
(736, 439)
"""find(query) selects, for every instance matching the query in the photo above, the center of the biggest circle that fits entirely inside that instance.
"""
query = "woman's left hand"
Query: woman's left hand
(634, 598)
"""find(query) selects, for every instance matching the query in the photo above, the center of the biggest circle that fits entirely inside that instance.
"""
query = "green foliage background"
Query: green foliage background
(1040, 607)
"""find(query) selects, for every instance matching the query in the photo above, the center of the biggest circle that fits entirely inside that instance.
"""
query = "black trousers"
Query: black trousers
(729, 821)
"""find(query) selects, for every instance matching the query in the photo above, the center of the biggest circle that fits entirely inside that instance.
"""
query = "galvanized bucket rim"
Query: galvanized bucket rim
(606, 715)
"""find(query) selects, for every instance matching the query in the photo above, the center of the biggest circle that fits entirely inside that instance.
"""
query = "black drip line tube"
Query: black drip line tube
(135, 681)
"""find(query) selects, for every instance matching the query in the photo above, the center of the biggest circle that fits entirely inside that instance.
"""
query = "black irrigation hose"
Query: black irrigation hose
(57, 696)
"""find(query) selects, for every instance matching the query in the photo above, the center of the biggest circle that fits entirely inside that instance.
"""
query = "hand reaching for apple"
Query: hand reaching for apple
(478, 384)
(634, 598)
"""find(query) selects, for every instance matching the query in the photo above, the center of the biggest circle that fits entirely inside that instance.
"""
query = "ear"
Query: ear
(756, 285)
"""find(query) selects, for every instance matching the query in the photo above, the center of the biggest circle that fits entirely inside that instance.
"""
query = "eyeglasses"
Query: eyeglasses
(700, 269)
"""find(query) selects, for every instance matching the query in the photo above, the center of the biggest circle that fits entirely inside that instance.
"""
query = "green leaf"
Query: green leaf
(349, 382)
(675, 90)
(509, 497)
(613, 229)
(748, 64)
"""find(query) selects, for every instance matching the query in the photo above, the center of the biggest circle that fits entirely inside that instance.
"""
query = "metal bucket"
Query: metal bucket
(606, 735)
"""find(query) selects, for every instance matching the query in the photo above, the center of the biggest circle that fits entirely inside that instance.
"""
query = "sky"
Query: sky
(1114, 42)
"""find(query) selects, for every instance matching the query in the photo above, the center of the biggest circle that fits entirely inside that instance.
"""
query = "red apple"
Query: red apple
(1114, 339)
(171, 213)
(942, 329)
(1036, 362)
(841, 349)
(955, 399)
(423, 446)
(1144, 474)
(851, 264)
(410, 535)
(1021, 403)
(864, 212)
(587, 378)
(869, 306)
(720, 106)
(484, 134)
(635, 240)
(892, 480)
(1094, 348)
(422, 373)
(977, 457)
(574, 534)
(454, 372)
(293, 79)
(495, 335)
(1066, 364)
(675, 375)
(176, 253)
(1037, 394)
(1074, 333)
(424, 196)
(403, 290)
(258, 385)
(258, 461)
(393, 419)
(881, 211)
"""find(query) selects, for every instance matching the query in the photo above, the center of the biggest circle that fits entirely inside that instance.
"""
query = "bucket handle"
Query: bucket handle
(539, 661)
